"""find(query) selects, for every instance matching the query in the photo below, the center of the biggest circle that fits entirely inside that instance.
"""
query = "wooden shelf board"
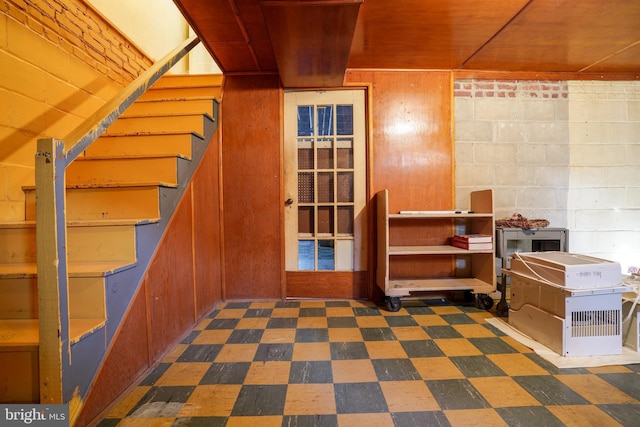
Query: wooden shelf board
(433, 250)
(402, 287)
(23, 334)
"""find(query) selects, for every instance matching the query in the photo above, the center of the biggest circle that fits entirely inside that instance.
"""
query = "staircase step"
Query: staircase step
(23, 334)
(87, 241)
(170, 107)
(87, 171)
(192, 80)
(158, 144)
(107, 202)
(150, 124)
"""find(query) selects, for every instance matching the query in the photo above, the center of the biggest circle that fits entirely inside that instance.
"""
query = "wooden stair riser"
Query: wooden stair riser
(105, 203)
(173, 93)
(177, 81)
(138, 145)
(85, 244)
(186, 123)
(154, 170)
(19, 298)
(170, 107)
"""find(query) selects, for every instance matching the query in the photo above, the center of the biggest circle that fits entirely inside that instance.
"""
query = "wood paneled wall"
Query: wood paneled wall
(252, 187)
(183, 284)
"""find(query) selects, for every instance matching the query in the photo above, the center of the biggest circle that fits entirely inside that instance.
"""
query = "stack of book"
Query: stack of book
(473, 242)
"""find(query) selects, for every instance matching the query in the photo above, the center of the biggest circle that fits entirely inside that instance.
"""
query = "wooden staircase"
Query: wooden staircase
(120, 196)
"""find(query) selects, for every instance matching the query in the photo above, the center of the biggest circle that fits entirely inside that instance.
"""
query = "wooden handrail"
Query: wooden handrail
(52, 159)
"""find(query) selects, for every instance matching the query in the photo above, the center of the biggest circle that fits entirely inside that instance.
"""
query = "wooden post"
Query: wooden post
(51, 238)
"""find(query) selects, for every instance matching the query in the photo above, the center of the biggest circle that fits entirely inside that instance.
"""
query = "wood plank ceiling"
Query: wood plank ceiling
(311, 43)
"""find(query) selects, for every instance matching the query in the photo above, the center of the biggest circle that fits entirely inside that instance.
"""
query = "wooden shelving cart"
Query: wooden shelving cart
(414, 251)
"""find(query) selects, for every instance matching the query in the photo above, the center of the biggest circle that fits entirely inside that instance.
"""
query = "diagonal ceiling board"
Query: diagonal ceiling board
(565, 35)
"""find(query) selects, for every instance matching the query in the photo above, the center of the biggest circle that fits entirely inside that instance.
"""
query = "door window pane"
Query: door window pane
(345, 186)
(305, 187)
(305, 220)
(325, 187)
(345, 220)
(306, 255)
(305, 120)
(325, 219)
(325, 153)
(344, 119)
(325, 120)
(344, 153)
(326, 255)
(305, 153)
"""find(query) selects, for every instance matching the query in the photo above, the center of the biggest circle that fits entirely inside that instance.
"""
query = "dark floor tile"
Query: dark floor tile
(189, 338)
(401, 321)
(395, 370)
(288, 304)
(274, 352)
(226, 373)
(164, 395)
(418, 310)
(258, 312)
(313, 312)
(420, 419)
(492, 345)
(440, 331)
(155, 375)
(377, 334)
(313, 372)
(553, 369)
(628, 383)
(495, 331)
(458, 319)
(366, 311)
(548, 390)
(200, 353)
(237, 305)
(245, 336)
(223, 324)
(282, 323)
(255, 400)
(348, 350)
(200, 422)
(342, 322)
(213, 314)
(529, 416)
(421, 348)
(312, 335)
(628, 415)
(338, 304)
(635, 367)
(477, 366)
(359, 398)
(310, 421)
(456, 394)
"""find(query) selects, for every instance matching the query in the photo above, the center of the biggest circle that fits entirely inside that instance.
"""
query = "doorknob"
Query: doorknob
(288, 202)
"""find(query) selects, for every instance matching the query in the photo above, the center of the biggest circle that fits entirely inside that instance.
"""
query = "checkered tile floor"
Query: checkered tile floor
(351, 363)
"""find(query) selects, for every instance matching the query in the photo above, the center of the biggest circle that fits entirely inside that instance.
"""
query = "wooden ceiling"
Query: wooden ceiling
(311, 43)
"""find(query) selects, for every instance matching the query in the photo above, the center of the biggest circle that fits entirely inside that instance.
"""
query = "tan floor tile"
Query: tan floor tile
(353, 371)
(266, 421)
(345, 335)
(595, 389)
(516, 364)
(211, 401)
(312, 322)
(263, 304)
(128, 402)
(516, 344)
(436, 368)
(269, 372)
(480, 316)
(410, 333)
(475, 417)
(429, 320)
(371, 322)
(457, 347)
(408, 396)
(473, 331)
(310, 399)
(447, 309)
(313, 304)
(339, 312)
(618, 369)
(174, 353)
(278, 335)
(368, 420)
(311, 351)
(502, 392)
(237, 353)
(385, 350)
(203, 324)
(363, 303)
(213, 336)
(582, 415)
(183, 374)
(285, 312)
(146, 422)
(253, 323)
(231, 313)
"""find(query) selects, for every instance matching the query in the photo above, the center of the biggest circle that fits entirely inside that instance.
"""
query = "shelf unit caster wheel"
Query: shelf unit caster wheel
(484, 301)
(393, 304)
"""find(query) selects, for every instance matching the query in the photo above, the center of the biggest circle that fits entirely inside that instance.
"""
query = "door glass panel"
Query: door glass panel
(344, 119)
(344, 255)
(306, 255)
(305, 187)
(305, 153)
(305, 120)
(345, 220)
(325, 220)
(344, 153)
(325, 187)
(345, 186)
(305, 220)
(326, 254)
(325, 120)
(325, 153)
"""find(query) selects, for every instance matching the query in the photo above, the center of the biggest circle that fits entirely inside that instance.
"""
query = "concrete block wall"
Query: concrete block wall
(568, 152)
(59, 62)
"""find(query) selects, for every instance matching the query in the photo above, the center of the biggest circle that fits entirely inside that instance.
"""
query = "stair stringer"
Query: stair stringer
(87, 355)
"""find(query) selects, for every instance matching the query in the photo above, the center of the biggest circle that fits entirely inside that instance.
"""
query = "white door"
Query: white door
(325, 180)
